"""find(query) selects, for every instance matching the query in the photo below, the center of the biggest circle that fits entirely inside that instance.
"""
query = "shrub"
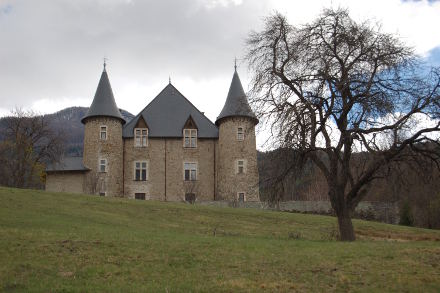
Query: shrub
(406, 216)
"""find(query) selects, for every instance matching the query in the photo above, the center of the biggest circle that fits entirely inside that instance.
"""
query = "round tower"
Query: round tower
(103, 146)
(237, 154)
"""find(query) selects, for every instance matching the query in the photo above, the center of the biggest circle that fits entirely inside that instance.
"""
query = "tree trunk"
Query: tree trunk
(346, 230)
(343, 212)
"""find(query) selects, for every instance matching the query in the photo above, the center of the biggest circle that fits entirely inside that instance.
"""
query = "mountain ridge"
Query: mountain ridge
(68, 122)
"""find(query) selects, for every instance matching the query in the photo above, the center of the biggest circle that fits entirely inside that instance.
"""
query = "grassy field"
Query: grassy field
(76, 243)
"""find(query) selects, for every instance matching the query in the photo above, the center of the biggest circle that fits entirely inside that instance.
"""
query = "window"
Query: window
(190, 197)
(190, 171)
(140, 171)
(240, 133)
(140, 137)
(241, 197)
(102, 165)
(240, 166)
(140, 196)
(190, 138)
(103, 132)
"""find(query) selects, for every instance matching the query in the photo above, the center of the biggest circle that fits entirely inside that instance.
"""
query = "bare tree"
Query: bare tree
(279, 170)
(191, 189)
(27, 144)
(334, 89)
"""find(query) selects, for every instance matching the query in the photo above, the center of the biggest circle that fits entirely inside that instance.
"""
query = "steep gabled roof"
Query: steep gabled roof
(236, 103)
(103, 103)
(167, 114)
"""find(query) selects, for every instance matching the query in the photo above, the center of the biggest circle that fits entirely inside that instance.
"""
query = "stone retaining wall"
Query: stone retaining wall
(375, 211)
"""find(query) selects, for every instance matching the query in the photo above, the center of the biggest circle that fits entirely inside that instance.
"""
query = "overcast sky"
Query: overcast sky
(51, 51)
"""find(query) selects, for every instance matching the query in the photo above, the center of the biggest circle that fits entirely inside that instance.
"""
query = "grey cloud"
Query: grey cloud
(54, 49)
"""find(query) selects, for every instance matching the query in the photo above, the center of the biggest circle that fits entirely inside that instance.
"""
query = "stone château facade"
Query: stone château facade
(170, 151)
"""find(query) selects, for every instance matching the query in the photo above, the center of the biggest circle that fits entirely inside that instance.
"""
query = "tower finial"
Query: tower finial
(105, 62)
(235, 64)
(169, 79)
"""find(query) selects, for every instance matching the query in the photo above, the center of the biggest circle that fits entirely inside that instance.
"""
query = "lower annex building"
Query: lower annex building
(170, 151)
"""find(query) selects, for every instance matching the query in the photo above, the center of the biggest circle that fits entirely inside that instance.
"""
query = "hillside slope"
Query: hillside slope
(62, 242)
(68, 121)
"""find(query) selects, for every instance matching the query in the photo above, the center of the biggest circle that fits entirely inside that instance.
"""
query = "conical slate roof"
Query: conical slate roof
(103, 103)
(236, 103)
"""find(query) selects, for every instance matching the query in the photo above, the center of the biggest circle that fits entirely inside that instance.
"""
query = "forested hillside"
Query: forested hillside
(69, 122)
(415, 186)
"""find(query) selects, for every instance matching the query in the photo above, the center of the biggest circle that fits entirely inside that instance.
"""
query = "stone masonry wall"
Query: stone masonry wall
(153, 154)
(230, 150)
(165, 169)
(110, 149)
(71, 182)
(386, 212)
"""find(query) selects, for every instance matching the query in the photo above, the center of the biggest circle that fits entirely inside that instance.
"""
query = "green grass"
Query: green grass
(55, 242)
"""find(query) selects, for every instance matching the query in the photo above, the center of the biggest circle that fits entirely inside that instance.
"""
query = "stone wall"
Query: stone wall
(110, 149)
(165, 169)
(229, 151)
(71, 182)
(216, 160)
(378, 211)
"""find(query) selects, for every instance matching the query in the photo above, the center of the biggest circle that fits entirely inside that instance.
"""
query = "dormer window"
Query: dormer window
(190, 138)
(190, 133)
(240, 133)
(103, 132)
(140, 137)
